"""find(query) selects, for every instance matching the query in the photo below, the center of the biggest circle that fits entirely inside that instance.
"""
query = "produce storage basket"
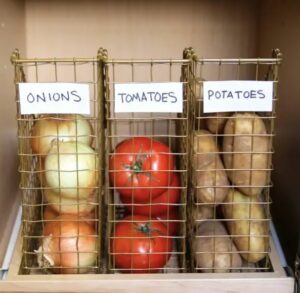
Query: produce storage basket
(110, 129)
(230, 168)
(41, 203)
(172, 130)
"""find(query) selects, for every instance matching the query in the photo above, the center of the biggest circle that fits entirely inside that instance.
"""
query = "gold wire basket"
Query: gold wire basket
(41, 203)
(187, 212)
(231, 164)
(170, 129)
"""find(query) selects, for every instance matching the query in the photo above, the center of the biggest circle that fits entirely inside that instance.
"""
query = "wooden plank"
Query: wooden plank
(177, 283)
(12, 35)
(275, 282)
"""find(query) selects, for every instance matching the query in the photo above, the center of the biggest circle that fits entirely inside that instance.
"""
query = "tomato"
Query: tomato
(141, 168)
(139, 245)
(171, 221)
(159, 205)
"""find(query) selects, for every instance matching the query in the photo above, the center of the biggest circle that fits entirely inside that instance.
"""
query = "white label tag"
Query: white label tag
(164, 97)
(237, 95)
(50, 98)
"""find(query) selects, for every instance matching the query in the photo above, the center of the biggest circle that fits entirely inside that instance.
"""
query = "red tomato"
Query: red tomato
(139, 245)
(140, 168)
(171, 221)
(159, 205)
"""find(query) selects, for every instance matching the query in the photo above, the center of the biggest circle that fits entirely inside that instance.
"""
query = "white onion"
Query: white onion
(64, 205)
(71, 169)
(62, 128)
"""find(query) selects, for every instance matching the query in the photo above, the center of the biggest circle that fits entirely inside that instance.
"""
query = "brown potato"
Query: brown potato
(215, 122)
(247, 225)
(213, 249)
(246, 144)
(209, 174)
(201, 213)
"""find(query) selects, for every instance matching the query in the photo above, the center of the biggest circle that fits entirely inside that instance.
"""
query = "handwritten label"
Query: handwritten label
(164, 97)
(49, 98)
(237, 95)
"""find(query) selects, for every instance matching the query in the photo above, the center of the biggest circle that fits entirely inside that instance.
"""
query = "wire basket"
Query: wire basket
(201, 210)
(61, 207)
(231, 164)
(145, 134)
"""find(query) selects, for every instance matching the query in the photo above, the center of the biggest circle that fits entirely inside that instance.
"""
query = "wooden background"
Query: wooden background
(157, 29)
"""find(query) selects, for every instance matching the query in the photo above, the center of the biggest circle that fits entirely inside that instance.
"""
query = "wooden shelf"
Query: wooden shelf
(275, 282)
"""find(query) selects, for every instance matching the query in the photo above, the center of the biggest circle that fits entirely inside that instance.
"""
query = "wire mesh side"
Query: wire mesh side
(231, 164)
(124, 207)
(60, 221)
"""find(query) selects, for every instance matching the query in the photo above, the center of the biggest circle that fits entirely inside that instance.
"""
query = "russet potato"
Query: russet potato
(247, 225)
(213, 249)
(208, 170)
(246, 152)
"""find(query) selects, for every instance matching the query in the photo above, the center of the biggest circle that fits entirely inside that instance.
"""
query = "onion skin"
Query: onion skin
(64, 205)
(71, 169)
(69, 245)
(49, 213)
(91, 218)
(62, 128)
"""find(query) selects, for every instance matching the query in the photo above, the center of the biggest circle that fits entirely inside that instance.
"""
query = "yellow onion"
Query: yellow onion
(91, 218)
(69, 245)
(65, 205)
(62, 128)
(49, 213)
(71, 169)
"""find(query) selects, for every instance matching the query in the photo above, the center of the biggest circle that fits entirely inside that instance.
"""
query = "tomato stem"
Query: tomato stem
(146, 229)
(137, 167)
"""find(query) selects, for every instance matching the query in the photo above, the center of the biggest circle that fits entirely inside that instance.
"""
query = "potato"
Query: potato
(209, 174)
(213, 249)
(247, 225)
(246, 143)
(215, 122)
(201, 213)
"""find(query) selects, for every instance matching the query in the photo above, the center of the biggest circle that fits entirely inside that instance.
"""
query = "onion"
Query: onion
(69, 245)
(71, 169)
(62, 128)
(91, 218)
(64, 205)
(49, 213)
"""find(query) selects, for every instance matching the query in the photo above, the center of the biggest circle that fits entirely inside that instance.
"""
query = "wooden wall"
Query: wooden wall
(157, 29)
(12, 35)
(279, 26)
